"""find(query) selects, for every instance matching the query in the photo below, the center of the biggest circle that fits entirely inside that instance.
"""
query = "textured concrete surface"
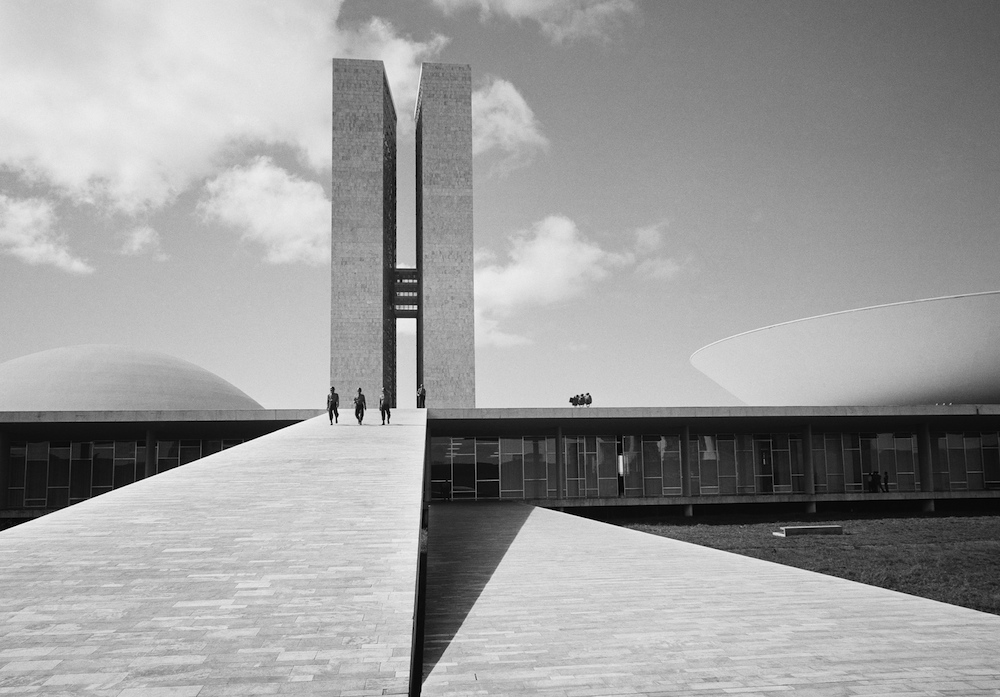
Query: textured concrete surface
(446, 352)
(363, 209)
(286, 565)
(528, 601)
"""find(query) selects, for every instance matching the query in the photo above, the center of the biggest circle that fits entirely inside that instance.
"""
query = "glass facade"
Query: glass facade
(493, 468)
(54, 474)
(719, 464)
(965, 461)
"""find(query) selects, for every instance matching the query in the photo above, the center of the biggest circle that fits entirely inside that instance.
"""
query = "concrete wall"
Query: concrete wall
(362, 351)
(446, 358)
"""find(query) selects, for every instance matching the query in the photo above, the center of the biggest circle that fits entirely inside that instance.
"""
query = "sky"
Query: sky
(649, 177)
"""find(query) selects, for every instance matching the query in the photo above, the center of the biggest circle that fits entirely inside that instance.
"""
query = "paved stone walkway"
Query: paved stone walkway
(286, 565)
(529, 601)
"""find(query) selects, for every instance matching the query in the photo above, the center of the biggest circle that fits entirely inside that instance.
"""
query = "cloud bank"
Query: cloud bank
(125, 105)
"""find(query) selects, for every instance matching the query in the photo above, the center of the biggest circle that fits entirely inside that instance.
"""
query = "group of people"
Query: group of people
(878, 482)
(360, 405)
(581, 400)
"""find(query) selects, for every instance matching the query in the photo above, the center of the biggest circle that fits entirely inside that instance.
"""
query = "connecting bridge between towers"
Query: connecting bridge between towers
(406, 293)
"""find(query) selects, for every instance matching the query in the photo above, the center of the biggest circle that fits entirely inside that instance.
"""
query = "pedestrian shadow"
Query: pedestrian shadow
(465, 544)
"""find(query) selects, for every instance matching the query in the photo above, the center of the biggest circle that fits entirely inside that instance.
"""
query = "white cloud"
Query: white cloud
(560, 20)
(141, 241)
(502, 122)
(550, 263)
(27, 233)
(289, 216)
(553, 262)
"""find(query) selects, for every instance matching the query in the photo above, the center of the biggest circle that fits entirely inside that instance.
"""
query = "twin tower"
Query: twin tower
(369, 292)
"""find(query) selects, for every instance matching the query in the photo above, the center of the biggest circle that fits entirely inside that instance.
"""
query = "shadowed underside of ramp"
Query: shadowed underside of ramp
(284, 565)
(530, 601)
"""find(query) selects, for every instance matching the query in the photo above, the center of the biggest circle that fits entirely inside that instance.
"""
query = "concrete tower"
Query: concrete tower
(446, 353)
(363, 323)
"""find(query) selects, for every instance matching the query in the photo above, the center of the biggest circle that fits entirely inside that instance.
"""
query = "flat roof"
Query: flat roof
(169, 416)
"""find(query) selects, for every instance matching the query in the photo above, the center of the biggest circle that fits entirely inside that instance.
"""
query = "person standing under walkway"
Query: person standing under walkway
(332, 404)
(360, 406)
(421, 397)
(383, 406)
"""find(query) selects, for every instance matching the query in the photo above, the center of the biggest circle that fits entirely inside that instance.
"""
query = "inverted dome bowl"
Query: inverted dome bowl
(113, 378)
(933, 351)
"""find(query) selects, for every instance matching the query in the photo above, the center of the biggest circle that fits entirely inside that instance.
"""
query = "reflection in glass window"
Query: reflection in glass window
(487, 468)
(79, 480)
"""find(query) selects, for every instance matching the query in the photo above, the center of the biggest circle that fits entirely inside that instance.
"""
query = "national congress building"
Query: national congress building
(222, 548)
(79, 421)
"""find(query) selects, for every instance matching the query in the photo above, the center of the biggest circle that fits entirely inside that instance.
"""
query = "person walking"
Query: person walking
(332, 404)
(383, 407)
(421, 397)
(360, 406)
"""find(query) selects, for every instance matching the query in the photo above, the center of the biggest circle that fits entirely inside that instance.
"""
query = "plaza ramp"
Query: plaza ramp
(529, 601)
(285, 565)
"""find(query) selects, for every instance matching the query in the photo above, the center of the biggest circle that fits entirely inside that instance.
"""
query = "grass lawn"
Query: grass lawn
(952, 559)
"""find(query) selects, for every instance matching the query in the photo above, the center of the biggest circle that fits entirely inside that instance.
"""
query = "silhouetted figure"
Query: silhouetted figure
(587, 399)
(421, 397)
(360, 406)
(885, 482)
(383, 406)
(332, 404)
(575, 400)
(873, 482)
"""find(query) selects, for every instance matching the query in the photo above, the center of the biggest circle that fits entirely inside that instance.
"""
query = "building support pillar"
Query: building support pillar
(427, 475)
(807, 463)
(150, 453)
(4, 468)
(689, 510)
(928, 506)
(924, 459)
(685, 463)
(810, 507)
(560, 464)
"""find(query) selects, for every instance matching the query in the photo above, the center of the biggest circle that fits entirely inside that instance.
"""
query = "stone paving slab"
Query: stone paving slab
(286, 565)
(530, 601)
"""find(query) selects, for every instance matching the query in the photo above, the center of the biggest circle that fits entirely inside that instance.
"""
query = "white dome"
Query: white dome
(932, 351)
(113, 378)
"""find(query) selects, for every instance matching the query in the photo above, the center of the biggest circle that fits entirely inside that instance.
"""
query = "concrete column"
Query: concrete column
(427, 469)
(560, 465)
(924, 459)
(689, 510)
(150, 453)
(685, 462)
(928, 506)
(4, 468)
(811, 507)
(807, 462)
